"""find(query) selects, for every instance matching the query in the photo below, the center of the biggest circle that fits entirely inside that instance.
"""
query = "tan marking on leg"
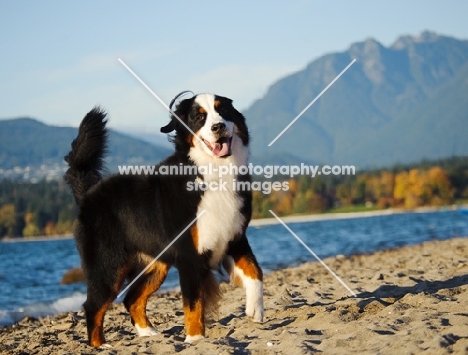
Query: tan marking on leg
(195, 317)
(248, 268)
(96, 337)
(138, 308)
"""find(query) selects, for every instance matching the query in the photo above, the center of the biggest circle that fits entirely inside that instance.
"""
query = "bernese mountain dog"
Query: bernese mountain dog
(125, 221)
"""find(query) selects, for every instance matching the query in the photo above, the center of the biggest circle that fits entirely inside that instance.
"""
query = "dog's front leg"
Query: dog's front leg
(194, 304)
(244, 270)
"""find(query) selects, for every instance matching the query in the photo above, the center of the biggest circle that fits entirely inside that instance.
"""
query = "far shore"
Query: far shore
(41, 238)
(346, 215)
(260, 222)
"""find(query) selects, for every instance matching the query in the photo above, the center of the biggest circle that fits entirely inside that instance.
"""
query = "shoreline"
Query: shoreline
(42, 238)
(409, 300)
(260, 222)
(346, 215)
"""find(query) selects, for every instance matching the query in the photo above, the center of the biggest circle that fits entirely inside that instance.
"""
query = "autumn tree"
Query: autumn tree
(7, 220)
(441, 190)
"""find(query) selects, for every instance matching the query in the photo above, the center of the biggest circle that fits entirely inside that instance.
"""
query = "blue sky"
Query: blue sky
(59, 58)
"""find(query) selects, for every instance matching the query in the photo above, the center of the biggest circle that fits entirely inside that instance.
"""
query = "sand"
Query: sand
(409, 301)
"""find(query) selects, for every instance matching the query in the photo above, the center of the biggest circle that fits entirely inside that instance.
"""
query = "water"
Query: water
(30, 271)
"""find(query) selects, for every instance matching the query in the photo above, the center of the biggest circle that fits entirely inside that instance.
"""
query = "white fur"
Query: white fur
(189, 339)
(222, 220)
(146, 332)
(254, 298)
(207, 101)
(105, 346)
(253, 290)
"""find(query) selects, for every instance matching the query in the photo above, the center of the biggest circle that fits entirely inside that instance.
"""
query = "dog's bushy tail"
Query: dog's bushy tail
(86, 156)
(212, 295)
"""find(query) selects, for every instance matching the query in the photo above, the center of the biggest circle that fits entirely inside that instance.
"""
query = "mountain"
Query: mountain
(396, 104)
(28, 142)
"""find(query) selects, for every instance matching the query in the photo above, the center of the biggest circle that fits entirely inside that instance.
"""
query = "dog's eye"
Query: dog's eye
(200, 117)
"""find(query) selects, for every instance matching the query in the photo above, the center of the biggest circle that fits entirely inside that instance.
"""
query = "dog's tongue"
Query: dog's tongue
(220, 149)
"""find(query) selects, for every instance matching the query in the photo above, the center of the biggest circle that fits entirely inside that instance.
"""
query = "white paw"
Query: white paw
(255, 312)
(254, 300)
(193, 338)
(105, 346)
(146, 332)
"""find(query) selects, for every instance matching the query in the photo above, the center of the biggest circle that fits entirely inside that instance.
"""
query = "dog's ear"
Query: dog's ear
(227, 110)
(170, 126)
(224, 101)
(223, 105)
(181, 111)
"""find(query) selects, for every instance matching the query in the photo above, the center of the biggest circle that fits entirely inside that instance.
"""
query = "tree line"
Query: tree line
(429, 183)
(32, 209)
(48, 208)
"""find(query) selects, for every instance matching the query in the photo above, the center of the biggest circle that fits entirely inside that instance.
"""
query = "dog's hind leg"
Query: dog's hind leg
(100, 296)
(242, 266)
(95, 309)
(137, 297)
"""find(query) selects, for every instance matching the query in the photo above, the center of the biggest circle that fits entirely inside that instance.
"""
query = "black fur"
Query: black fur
(86, 157)
(122, 217)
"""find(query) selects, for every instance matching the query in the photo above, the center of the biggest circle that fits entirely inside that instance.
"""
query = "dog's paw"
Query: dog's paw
(190, 339)
(254, 300)
(146, 332)
(256, 312)
(105, 346)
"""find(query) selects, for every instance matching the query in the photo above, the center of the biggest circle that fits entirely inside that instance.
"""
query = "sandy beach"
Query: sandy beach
(408, 301)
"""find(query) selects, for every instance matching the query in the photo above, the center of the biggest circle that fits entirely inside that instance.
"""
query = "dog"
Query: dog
(125, 221)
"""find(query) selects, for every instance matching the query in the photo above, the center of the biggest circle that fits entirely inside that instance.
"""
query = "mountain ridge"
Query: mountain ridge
(384, 84)
(42, 144)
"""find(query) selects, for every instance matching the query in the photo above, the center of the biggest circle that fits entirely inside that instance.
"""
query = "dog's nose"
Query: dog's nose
(218, 127)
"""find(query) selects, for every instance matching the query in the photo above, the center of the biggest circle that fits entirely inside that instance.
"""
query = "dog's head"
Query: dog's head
(209, 124)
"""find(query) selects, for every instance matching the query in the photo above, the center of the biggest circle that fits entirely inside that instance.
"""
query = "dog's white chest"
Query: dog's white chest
(221, 222)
